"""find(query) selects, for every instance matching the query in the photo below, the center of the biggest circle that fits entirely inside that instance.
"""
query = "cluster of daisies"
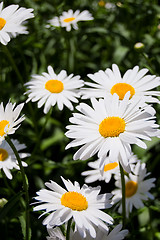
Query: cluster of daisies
(12, 20)
(119, 116)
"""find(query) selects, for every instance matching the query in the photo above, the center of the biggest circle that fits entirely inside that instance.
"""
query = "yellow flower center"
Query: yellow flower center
(121, 89)
(101, 3)
(69, 19)
(3, 124)
(2, 23)
(3, 154)
(131, 188)
(74, 200)
(110, 166)
(111, 127)
(54, 86)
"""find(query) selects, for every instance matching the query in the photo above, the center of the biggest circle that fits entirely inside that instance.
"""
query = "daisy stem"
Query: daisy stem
(149, 62)
(68, 229)
(123, 195)
(13, 64)
(6, 183)
(42, 130)
(9, 55)
(25, 185)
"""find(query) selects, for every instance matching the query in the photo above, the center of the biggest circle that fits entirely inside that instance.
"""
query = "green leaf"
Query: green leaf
(10, 205)
(23, 225)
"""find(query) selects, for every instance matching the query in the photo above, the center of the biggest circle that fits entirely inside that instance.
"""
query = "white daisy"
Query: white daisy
(82, 204)
(50, 88)
(97, 174)
(11, 20)
(110, 127)
(110, 6)
(115, 234)
(134, 80)
(56, 234)
(70, 18)
(104, 172)
(136, 189)
(8, 119)
(8, 160)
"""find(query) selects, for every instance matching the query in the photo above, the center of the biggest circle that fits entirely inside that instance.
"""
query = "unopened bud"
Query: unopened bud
(3, 201)
(139, 47)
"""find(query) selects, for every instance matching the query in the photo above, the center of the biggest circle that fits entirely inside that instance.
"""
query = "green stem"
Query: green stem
(68, 229)
(149, 63)
(150, 222)
(123, 195)
(41, 133)
(6, 183)
(9, 55)
(13, 64)
(25, 185)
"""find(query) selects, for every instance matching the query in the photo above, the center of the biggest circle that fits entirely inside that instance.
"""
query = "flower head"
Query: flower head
(115, 234)
(109, 168)
(110, 126)
(70, 18)
(11, 20)
(103, 171)
(51, 88)
(8, 119)
(8, 160)
(82, 204)
(134, 80)
(136, 189)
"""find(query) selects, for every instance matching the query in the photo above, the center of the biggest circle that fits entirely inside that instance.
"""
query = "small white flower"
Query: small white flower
(82, 204)
(115, 234)
(134, 80)
(70, 18)
(50, 88)
(8, 119)
(56, 234)
(110, 126)
(104, 172)
(97, 174)
(8, 160)
(110, 6)
(136, 189)
(11, 20)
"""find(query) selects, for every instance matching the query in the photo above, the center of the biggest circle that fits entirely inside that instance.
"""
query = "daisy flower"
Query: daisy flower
(110, 126)
(115, 234)
(11, 20)
(82, 204)
(8, 119)
(136, 189)
(134, 80)
(8, 160)
(50, 88)
(98, 174)
(105, 172)
(70, 18)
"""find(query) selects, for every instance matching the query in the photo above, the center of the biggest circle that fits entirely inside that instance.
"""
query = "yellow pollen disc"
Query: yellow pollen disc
(111, 127)
(3, 154)
(69, 19)
(131, 188)
(74, 200)
(54, 86)
(101, 3)
(110, 166)
(3, 124)
(2, 23)
(121, 89)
